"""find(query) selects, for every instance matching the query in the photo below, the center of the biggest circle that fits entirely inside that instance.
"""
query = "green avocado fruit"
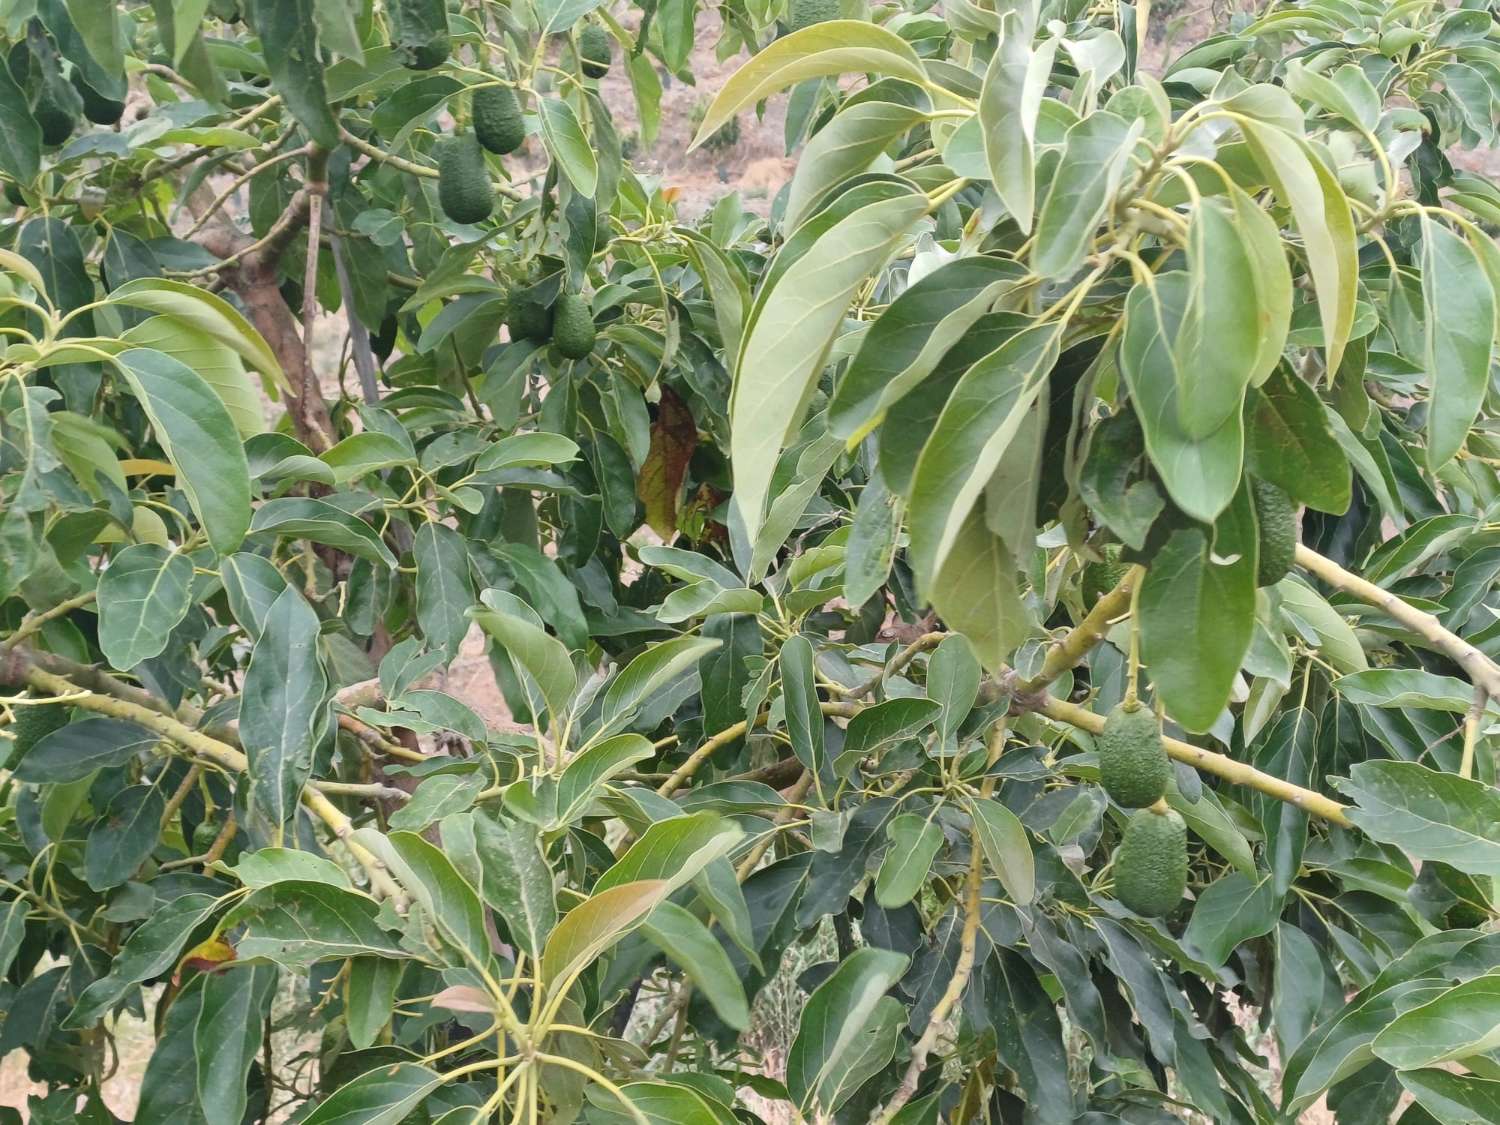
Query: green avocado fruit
(595, 51)
(529, 320)
(1277, 518)
(1133, 763)
(464, 189)
(573, 326)
(96, 107)
(31, 725)
(1099, 578)
(497, 119)
(419, 32)
(1151, 863)
(805, 13)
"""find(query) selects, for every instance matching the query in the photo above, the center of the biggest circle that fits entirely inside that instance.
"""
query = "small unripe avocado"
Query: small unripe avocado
(13, 193)
(1277, 519)
(595, 51)
(31, 725)
(1151, 863)
(419, 32)
(96, 107)
(529, 320)
(497, 119)
(464, 188)
(573, 326)
(1099, 578)
(1133, 763)
(805, 13)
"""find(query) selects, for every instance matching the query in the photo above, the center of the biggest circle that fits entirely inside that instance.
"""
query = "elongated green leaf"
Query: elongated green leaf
(321, 522)
(370, 997)
(975, 593)
(1006, 848)
(227, 1037)
(199, 438)
(1094, 158)
(673, 851)
(568, 145)
(1454, 1099)
(296, 923)
(647, 674)
(20, 135)
(145, 592)
(596, 924)
(828, 48)
(1461, 1022)
(1406, 687)
(383, 1096)
(533, 449)
(845, 147)
(73, 752)
(361, 454)
(1429, 815)
(445, 592)
(804, 718)
(151, 950)
(284, 707)
(878, 726)
(588, 773)
(1201, 475)
(787, 344)
(1231, 910)
(1459, 337)
(516, 881)
(915, 841)
(125, 837)
(1009, 102)
(218, 363)
(981, 418)
(835, 1026)
(288, 33)
(430, 877)
(208, 313)
(1197, 618)
(1290, 443)
(543, 656)
(687, 941)
(275, 865)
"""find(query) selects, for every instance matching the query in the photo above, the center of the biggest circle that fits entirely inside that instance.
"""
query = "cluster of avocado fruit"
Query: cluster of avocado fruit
(1150, 863)
(568, 323)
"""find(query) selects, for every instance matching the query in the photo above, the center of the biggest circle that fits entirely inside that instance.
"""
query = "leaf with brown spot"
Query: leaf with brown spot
(674, 436)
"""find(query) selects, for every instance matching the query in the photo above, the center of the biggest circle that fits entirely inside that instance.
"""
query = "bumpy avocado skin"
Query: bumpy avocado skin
(1151, 863)
(419, 32)
(464, 189)
(1133, 763)
(31, 725)
(1277, 518)
(595, 51)
(573, 326)
(497, 119)
(805, 13)
(1099, 578)
(529, 320)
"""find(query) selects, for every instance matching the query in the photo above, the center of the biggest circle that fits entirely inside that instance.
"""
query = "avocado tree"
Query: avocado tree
(1027, 607)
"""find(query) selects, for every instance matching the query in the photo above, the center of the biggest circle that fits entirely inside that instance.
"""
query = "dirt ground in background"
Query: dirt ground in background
(756, 167)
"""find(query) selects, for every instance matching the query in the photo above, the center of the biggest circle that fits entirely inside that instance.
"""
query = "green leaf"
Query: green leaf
(650, 672)
(1321, 211)
(361, 454)
(199, 438)
(1231, 910)
(370, 997)
(1406, 687)
(207, 312)
(437, 796)
(1454, 1099)
(586, 775)
(383, 1096)
(251, 586)
(227, 1036)
(445, 592)
(283, 707)
(909, 338)
(873, 538)
(1337, 641)
(322, 522)
(1458, 340)
(1427, 814)
(687, 941)
(874, 728)
(533, 449)
(1461, 1022)
(20, 135)
(804, 717)
(1009, 102)
(430, 877)
(673, 851)
(1095, 156)
(143, 594)
(276, 865)
(975, 594)
(596, 924)
(516, 881)
(288, 34)
(844, 148)
(785, 347)
(571, 149)
(297, 923)
(1290, 443)
(823, 49)
(541, 655)
(915, 841)
(150, 950)
(73, 752)
(1006, 848)
(218, 363)
(124, 837)
(1200, 474)
(1197, 618)
(832, 1036)
(982, 417)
